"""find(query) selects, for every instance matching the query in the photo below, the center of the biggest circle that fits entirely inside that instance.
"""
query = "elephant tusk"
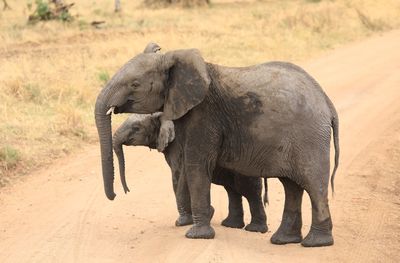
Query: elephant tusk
(111, 110)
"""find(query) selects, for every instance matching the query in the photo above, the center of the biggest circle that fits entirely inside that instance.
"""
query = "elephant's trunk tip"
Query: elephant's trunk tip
(111, 196)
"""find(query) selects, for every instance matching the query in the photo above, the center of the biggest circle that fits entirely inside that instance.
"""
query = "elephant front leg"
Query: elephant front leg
(183, 202)
(290, 229)
(199, 187)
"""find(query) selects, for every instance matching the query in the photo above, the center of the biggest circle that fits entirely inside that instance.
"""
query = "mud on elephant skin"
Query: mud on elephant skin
(266, 120)
(143, 130)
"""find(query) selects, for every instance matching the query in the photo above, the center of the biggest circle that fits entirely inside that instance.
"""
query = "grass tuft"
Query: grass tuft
(27, 92)
(372, 24)
(71, 123)
(103, 76)
(9, 157)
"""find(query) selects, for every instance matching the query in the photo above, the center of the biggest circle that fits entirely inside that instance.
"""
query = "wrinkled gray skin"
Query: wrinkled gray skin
(139, 130)
(268, 120)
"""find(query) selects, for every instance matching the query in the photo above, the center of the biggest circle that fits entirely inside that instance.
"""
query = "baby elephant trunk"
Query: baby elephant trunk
(117, 144)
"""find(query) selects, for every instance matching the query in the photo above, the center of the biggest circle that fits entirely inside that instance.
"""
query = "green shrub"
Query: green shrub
(104, 76)
(65, 16)
(49, 11)
(42, 10)
(9, 157)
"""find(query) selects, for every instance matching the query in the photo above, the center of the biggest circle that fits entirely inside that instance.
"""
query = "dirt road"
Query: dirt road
(60, 214)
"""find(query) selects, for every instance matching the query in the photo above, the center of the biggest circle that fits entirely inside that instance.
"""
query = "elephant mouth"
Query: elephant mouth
(129, 107)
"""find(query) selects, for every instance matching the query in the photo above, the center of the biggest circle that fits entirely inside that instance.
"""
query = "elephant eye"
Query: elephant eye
(135, 84)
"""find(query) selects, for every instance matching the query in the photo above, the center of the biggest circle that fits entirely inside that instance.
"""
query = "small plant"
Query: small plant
(29, 5)
(43, 10)
(33, 93)
(71, 123)
(371, 24)
(50, 11)
(103, 76)
(9, 157)
(82, 24)
(29, 92)
(65, 16)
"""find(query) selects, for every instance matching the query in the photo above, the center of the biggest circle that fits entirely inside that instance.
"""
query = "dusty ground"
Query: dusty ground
(60, 214)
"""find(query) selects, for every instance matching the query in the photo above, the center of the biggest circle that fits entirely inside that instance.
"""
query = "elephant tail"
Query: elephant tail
(265, 197)
(335, 128)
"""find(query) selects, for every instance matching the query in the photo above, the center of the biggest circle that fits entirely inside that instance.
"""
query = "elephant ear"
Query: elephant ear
(152, 48)
(188, 82)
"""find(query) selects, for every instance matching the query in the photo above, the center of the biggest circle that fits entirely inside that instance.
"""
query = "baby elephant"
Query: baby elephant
(143, 130)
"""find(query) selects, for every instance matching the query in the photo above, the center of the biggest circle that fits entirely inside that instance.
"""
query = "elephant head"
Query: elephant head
(136, 130)
(173, 83)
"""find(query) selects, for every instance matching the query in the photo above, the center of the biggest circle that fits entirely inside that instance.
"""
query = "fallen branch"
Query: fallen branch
(97, 24)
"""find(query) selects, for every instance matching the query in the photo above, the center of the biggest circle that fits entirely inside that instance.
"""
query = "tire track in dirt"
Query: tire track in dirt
(383, 181)
(84, 230)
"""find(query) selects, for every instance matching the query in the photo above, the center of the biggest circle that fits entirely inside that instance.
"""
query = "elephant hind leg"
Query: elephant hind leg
(235, 215)
(258, 218)
(320, 233)
(321, 227)
(313, 175)
(251, 189)
(290, 229)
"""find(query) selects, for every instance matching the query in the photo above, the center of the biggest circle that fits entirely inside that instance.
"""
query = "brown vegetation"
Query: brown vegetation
(183, 3)
(5, 5)
(51, 72)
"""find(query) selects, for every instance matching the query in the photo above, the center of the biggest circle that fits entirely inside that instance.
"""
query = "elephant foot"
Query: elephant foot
(233, 222)
(281, 238)
(254, 227)
(203, 232)
(184, 220)
(318, 238)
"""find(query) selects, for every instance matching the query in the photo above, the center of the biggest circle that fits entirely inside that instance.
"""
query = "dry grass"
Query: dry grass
(50, 73)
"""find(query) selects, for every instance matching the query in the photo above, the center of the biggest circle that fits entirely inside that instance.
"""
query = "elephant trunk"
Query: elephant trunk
(117, 144)
(103, 124)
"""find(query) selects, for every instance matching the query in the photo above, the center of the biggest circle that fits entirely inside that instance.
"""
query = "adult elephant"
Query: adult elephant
(268, 120)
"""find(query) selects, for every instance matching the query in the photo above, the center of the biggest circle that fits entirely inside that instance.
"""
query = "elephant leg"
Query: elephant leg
(320, 233)
(290, 229)
(258, 221)
(182, 196)
(199, 183)
(183, 202)
(235, 214)
(316, 184)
